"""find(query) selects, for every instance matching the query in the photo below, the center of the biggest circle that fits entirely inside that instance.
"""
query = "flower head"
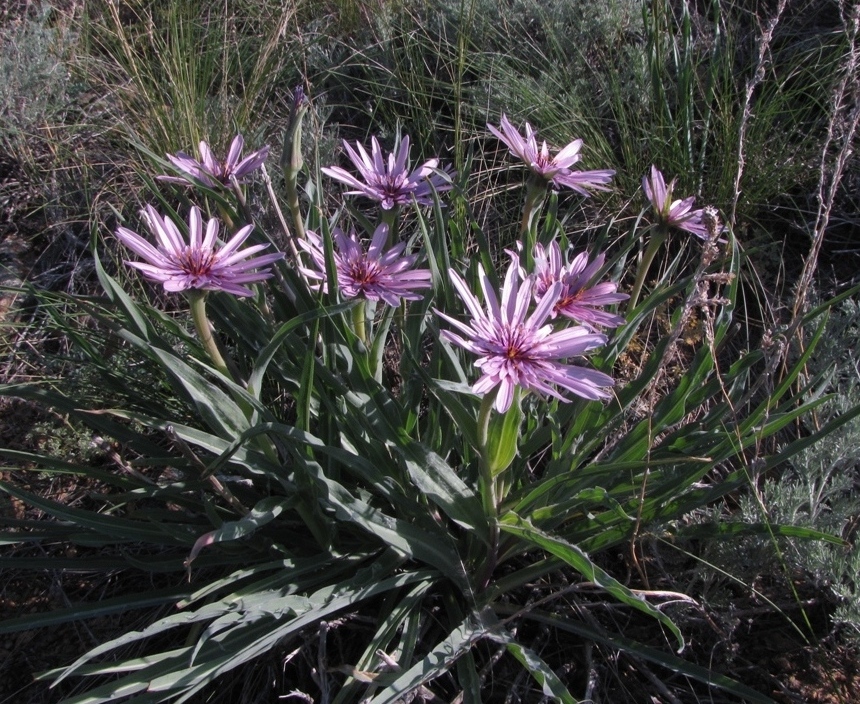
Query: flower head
(389, 181)
(213, 173)
(577, 300)
(516, 349)
(199, 263)
(673, 213)
(554, 169)
(375, 274)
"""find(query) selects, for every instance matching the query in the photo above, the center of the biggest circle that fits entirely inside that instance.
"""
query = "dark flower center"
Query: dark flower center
(569, 299)
(516, 347)
(197, 262)
(363, 273)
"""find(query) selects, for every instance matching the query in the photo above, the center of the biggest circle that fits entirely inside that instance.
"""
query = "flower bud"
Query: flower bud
(291, 156)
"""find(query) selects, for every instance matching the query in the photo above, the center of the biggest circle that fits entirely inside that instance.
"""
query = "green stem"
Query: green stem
(226, 218)
(389, 217)
(657, 240)
(242, 202)
(197, 301)
(535, 194)
(487, 487)
(484, 415)
(291, 187)
(359, 321)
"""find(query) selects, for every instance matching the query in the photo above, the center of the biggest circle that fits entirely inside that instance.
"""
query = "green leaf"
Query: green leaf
(392, 617)
(116, 293)
(261, 629)
(266, 511)
(440, 658)
(576, 558)
(78, 612)
(437, 480)
(113, 528)
(725, 531)
(551, 685)
(433, 548)
(266, 355)
(447, 394)
(215, 407)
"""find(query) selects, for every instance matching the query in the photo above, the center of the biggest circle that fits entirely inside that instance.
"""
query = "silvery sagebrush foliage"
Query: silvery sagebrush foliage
(332, 458)
(816, 490)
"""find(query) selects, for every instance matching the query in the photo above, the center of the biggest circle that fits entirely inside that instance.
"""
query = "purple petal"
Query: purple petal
(140, 246)
(208, 159)
(233, 154)
(252, 162)
(235, 241)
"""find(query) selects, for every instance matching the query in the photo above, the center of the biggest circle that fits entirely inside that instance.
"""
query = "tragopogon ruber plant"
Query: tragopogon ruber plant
(411, 454)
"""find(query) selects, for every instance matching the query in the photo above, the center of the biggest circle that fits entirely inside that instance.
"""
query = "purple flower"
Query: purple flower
(389, 182)
(677, 213)
(213, 173)
(516, 350)
(199, 264)
(374, 275)
(576, 300)
(555, 169)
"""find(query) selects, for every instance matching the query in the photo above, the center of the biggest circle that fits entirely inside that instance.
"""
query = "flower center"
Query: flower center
(516, 346)
(543, 162)
(197, 262)
(363, 273)
(568, 300)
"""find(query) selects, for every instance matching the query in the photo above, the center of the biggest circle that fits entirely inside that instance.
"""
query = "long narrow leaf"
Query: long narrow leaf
(576, 558)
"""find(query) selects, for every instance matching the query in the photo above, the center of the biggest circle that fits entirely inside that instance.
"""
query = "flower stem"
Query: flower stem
(226, 217)
(244, 211)
(389, 217)
(359, 321)
(292, 190)
(657, 240)
(197, 301)
(487, 487)
(535, 194)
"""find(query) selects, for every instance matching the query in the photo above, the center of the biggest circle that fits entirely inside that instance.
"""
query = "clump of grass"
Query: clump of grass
(179, 73)
(42, 130)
